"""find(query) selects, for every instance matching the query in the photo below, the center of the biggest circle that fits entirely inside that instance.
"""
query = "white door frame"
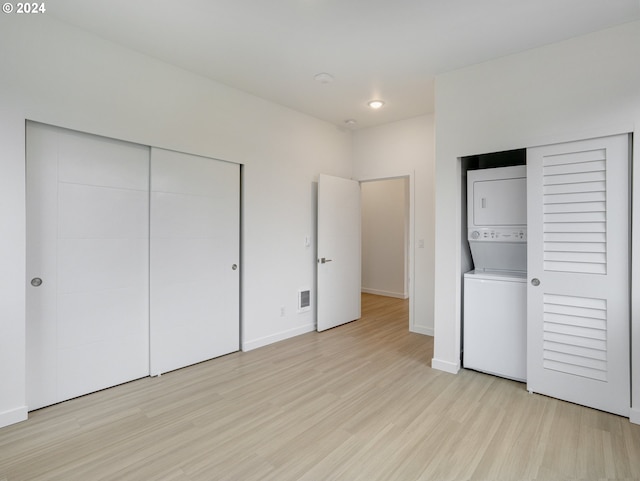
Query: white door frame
(412, 258)
(634, 415)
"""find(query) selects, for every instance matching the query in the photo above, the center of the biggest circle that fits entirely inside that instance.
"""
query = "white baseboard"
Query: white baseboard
(445, 366)
(378, 292)
(427, 331)
(280, 336)
(634, 415)
(13, 416)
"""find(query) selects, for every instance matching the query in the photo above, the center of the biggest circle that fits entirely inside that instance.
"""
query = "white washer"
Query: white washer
(495, 327)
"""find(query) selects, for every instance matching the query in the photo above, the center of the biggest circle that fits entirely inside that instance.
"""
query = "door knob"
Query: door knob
(234, 266)
(324, 260)
(36, 282)
(535, 282)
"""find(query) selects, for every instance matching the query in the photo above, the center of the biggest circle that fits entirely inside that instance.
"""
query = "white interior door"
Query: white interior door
(195, 238)
(87, 241)
(578, 268)
(339, 245)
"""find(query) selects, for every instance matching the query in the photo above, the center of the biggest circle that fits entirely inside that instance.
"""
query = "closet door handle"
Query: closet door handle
(535, 282)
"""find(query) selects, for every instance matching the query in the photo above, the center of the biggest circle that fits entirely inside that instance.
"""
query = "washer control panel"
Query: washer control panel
(491, 234)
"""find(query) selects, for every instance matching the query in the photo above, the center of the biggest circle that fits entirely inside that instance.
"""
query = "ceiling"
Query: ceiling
(385, 49)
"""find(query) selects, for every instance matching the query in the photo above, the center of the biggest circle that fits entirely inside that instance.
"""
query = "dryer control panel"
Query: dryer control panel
(488, 234)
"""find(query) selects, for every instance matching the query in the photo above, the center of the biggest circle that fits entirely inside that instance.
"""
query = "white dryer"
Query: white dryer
(494, 339)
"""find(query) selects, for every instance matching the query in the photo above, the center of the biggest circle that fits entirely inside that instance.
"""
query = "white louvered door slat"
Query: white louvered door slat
(575, 207)
(578, 315)
(584, 188)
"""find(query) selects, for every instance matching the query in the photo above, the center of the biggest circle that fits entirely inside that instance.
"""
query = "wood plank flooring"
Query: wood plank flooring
(358, 402)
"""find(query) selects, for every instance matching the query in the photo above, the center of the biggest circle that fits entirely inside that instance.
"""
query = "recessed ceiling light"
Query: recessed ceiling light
(323, 78)
(375, 104)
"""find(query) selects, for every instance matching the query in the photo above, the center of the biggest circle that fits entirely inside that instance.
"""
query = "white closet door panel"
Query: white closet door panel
(113, 164)
(191, 174)
(92, 367)
(568, 158)
(87, 239)
(88, 212)
(557, 208)
(585, 177)
(98, 264)
(191, 300)
(41, 173)
(578, 313)
(594, 164)
(194, 246)
(42, 234)
(583, 189)
(574, 197)
(190, 259)
(202, 335)
(88, 317)
(186, 216)
(41, 348)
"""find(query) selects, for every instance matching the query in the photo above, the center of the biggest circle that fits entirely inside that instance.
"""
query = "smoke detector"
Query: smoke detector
(323, 78)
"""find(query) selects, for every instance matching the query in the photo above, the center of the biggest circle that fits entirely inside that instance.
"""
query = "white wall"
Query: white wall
(584, 87)
(60, 75)
(385, 221)
(406, 148)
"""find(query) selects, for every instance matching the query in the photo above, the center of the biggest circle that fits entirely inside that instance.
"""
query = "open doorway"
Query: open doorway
(386, 225)
(339, 261)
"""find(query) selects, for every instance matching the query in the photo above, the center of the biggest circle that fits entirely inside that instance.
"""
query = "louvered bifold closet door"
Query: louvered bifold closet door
(578, 269)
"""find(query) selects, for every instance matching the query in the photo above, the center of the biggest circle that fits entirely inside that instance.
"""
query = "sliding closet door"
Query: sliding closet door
(87, 263)
(195, 235)
(578, 267)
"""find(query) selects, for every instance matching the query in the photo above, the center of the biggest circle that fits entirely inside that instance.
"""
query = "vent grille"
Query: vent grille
(575, 219)
(575, 336)
(304, 300)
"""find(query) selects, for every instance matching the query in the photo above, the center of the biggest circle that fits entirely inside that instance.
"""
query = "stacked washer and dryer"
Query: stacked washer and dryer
(495, 292)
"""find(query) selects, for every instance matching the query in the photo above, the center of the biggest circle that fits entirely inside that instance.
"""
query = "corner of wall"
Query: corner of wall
(634, 416)
(425, 331)
(13, 416)
(278, 336)
(446, 366)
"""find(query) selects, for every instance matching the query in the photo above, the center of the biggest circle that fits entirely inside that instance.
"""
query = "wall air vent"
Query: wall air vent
(304, 300)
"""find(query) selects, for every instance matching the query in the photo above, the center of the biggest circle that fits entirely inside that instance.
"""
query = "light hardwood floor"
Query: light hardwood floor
(358, 402)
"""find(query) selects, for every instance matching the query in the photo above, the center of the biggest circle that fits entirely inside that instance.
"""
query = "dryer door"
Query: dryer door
(500, 202)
